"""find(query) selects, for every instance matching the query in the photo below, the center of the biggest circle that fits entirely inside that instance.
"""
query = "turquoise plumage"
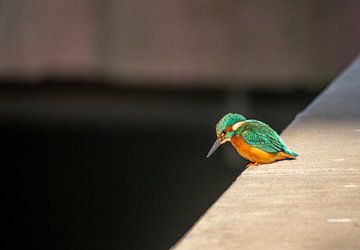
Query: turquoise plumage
(260, 135)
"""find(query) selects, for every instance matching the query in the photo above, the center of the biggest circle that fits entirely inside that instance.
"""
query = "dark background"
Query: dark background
(108, 108)
(108, 168)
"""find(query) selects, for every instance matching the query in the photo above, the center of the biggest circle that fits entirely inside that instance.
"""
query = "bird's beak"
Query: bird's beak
(217, 144)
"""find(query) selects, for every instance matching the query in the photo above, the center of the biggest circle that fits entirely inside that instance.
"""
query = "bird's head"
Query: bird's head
(225, 129)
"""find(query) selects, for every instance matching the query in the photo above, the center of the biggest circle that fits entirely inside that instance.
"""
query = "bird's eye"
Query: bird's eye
(224, 132)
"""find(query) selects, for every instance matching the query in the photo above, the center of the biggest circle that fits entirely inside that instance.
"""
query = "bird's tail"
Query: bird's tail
(289, 152)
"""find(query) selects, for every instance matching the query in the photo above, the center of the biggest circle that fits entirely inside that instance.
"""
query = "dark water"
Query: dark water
(103, 168)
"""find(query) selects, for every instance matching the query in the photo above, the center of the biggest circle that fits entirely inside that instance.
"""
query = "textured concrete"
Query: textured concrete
(309, 203)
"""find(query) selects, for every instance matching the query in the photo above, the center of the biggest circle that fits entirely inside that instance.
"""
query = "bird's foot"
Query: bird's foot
(251, 164)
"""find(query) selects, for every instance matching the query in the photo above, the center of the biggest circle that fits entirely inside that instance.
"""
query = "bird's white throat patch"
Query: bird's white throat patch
(237, 125)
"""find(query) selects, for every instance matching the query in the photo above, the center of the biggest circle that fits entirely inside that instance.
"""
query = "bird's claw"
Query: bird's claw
(251, 164)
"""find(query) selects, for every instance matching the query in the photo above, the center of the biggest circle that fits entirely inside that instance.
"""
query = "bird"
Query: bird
(254, 140)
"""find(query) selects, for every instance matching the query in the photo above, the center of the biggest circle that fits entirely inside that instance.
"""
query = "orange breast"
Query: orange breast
(250, 153)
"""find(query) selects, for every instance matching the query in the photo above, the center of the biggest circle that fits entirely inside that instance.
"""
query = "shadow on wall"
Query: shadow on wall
(105, 168)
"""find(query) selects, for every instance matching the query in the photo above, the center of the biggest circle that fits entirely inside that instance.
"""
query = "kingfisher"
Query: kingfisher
(253, 140)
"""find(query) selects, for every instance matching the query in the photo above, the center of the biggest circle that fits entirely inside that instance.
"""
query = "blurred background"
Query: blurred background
(108, 108)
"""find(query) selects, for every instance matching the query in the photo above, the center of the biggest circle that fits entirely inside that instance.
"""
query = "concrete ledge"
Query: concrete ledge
(309, 203)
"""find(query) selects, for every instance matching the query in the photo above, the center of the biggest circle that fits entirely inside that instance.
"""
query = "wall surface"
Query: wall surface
(172, 42)
(312, 202)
